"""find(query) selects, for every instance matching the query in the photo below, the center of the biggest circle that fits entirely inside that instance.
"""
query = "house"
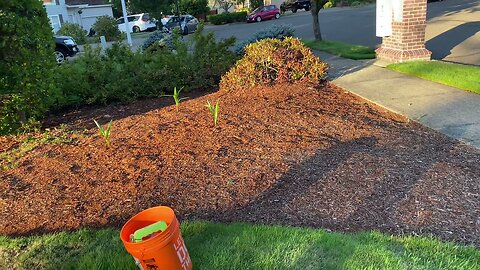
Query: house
(82, 12)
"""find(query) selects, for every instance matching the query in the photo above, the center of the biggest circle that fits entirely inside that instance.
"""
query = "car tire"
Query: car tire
(136, 29)
(185, 31)
(60, 56)
(307, 8)
(258, 19)
(294, 10)
(277, 16)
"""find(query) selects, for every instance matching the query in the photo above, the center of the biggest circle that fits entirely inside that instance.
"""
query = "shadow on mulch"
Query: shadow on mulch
(291, 155)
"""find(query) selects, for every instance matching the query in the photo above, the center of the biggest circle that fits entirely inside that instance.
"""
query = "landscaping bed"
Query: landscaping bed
(292, 154)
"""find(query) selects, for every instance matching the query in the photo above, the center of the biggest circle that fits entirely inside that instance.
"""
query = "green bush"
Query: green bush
(27, 60)
(328, 5)
(107, 26)
(226, 17)
(272, 61)
(121, 75)
(194, 7)
(275, 31)
(75, 31)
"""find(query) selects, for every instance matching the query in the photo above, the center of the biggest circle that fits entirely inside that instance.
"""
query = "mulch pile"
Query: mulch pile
(292, 154)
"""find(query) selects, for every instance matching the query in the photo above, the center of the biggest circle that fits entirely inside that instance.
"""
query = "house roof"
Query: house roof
(85, 2)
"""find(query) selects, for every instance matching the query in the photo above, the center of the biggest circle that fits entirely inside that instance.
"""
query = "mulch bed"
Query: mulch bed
(292, 154)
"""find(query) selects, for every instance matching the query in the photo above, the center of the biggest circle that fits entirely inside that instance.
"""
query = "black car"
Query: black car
(65, 47)
(295, 5)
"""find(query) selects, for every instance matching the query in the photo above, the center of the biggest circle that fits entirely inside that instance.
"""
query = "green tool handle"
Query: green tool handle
(139, 234)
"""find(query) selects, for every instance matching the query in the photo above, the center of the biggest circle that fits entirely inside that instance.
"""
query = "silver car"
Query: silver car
(188, 24)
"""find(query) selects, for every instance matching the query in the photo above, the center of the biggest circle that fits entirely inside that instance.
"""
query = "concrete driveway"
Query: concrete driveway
(453, 29)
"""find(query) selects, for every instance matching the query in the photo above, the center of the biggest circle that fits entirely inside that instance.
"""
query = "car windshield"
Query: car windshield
(257, 9)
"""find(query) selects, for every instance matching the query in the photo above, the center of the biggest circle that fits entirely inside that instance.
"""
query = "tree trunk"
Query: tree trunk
(315, 9)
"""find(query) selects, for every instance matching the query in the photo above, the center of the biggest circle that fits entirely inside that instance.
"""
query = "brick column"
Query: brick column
(407, 41)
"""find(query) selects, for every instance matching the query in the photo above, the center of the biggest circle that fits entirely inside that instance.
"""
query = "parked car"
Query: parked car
(137, 23)
(188, 23)
(65, 46)
(295, 5)
(264, 13)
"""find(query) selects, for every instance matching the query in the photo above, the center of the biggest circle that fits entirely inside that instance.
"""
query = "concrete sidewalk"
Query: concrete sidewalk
(448, 110)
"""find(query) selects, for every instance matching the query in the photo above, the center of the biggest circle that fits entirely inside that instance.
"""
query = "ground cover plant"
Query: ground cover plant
(443, 72)
(356, 52)
(243, 246)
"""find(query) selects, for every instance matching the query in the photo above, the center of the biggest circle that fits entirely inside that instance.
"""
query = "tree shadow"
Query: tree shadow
(442, 44)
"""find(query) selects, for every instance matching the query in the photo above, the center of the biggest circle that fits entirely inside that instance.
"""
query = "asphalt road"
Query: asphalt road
(453, 28)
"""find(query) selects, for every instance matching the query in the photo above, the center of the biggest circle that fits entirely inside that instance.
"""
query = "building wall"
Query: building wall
(57, 13)
(89, 15)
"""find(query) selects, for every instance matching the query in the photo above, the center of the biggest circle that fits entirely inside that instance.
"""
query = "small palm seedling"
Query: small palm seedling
(104, 132)
(213, 111)
(176, 96)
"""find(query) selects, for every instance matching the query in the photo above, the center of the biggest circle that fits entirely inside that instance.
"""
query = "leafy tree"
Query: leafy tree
(194, 7)
(154, 7)
(27, 62)
(226, 4)
(256, 3)
(315, 9)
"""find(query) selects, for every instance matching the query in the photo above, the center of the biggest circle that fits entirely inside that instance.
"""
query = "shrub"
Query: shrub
(120, 75)
(271, 61)
(275, 31)
(227, 17)
(75, 31)
(194, 7)
(27, 60)
(159, 39)
(107, 26)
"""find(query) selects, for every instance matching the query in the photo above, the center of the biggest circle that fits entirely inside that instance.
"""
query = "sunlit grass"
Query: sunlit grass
(457, 75)
(341, 49)
(243, 246)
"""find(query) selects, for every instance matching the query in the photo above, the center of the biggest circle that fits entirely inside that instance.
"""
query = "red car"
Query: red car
(264, 13)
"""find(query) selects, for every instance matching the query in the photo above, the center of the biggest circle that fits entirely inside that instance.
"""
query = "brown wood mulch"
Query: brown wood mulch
(290, 155)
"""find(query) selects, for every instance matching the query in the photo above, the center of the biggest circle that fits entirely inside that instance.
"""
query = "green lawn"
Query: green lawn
(341, 49)
(243, 246)
(457, 75)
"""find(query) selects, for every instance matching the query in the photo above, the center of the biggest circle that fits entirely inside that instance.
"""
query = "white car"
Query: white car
(137, 23)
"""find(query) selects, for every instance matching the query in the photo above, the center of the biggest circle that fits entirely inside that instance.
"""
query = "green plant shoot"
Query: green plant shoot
(213, 111)
(176, 97)
(104, 132)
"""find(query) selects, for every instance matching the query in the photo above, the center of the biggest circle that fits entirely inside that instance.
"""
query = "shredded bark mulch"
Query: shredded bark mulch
(292, 154)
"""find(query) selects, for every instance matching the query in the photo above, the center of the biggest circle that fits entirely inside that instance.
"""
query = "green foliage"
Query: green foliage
(280, 31)
(74, 30)
(107, 26)
(176, 97)
(104, 132)
(226, 17)
(256, 3)
(213, 111)
(154, 7)
(158, 40)
(120, 75)
(272, 61)
(194, 7)
(27, 58)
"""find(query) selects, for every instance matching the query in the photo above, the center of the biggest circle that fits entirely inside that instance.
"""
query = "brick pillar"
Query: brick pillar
(407, 41)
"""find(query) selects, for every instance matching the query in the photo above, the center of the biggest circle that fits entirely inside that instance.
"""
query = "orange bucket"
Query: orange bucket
(165, 250)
